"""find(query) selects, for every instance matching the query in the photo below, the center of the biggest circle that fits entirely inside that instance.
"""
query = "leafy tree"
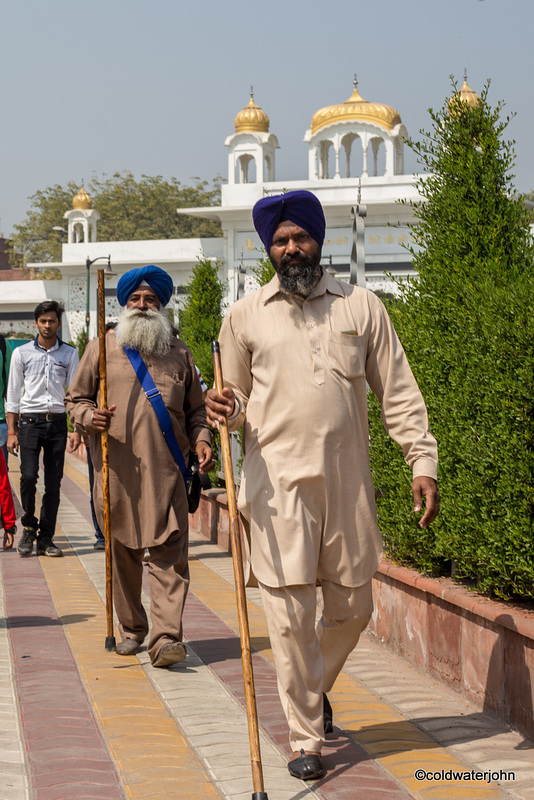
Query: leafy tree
(146, 209)
(202, 315)
(468, 329)
(34, 237)
(130, 209)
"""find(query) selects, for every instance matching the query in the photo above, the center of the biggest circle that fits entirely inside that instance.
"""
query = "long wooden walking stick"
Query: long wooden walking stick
(237, 558)
(110, 638)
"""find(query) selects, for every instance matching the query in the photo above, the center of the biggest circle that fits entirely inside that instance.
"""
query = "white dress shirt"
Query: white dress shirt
(38, 377)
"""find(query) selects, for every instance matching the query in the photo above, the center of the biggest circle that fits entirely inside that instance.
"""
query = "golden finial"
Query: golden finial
(82, 199)
(251, 117)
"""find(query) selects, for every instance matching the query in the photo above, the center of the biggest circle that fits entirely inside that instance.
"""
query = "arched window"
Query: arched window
(379, 156)
(246, 169)
(353, 155)
(78, 233)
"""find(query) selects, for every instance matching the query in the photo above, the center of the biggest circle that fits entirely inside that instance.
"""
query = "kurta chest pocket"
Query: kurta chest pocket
(172, 389)
(346, 354)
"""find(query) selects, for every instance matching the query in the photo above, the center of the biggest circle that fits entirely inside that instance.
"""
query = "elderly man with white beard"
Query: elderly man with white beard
(147, 491)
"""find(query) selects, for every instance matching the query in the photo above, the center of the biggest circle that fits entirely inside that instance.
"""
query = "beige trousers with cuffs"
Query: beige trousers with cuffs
(168, 573)
(308, 655)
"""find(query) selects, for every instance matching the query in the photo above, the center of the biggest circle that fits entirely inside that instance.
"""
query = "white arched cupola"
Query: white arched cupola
(355, 138)
(251, 149)
(81, 219)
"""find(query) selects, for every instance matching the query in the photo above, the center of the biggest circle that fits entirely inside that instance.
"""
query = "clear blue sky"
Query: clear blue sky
(99, 86)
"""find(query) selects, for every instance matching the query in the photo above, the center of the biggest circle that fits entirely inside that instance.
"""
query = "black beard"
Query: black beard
(300, 276)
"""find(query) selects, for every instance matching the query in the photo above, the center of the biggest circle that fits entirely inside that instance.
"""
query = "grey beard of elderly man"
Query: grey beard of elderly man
(149, 332)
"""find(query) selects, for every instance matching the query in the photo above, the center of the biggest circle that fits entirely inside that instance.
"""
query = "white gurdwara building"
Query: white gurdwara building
(355, 156)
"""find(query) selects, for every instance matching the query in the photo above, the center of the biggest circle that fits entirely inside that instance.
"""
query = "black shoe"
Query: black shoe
(46, 547)
(306, 767)
(328, 716)
(26, 541)
(100, 544)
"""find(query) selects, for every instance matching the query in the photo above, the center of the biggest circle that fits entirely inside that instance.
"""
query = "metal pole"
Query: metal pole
(357, 256)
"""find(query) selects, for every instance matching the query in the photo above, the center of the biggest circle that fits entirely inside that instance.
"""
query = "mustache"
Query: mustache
(298, 258)
(150, 313)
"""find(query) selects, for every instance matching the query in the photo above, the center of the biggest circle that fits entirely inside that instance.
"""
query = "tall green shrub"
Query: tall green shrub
(201, 317)
(467, 325)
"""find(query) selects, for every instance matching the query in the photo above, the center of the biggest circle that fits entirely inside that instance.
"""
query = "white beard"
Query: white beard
(148, 332)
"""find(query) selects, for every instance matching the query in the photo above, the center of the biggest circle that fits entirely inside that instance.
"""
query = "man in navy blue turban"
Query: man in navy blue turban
(153, 276)
(298, 356)
(292, 227)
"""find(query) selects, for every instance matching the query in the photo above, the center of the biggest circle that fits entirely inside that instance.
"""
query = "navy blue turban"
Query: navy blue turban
(156, 278)
(300, 207)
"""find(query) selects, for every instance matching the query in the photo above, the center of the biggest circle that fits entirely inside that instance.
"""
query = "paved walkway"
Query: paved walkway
(78, 723)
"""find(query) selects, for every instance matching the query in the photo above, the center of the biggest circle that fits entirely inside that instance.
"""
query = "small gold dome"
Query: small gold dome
(356, 108)
(251, 118)
(82, 200)
(467, 95)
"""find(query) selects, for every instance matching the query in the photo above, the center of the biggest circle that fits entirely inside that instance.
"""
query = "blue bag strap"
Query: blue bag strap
(153, 394)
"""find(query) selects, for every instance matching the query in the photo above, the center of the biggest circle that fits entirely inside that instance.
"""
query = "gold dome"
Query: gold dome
(82, 200)
(467, 95)
(356, 108)
(251, 118)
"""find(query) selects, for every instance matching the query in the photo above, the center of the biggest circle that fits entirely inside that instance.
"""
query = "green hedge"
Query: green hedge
(467, 325)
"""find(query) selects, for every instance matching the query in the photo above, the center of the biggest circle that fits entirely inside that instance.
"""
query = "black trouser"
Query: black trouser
(36, 434)
(98, 533)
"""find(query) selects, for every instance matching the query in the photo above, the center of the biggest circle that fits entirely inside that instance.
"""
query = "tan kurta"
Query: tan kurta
(299, 369)
(148, 498)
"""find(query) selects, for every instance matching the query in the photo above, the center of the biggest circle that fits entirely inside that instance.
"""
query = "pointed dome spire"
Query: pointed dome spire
(82, 200)
(251, 118)
(466, 94)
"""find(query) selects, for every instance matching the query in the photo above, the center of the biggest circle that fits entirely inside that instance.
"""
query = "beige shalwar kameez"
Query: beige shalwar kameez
(300, 370)
(147, 491)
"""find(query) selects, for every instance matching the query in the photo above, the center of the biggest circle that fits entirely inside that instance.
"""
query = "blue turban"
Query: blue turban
(156, 278)
(300, 207)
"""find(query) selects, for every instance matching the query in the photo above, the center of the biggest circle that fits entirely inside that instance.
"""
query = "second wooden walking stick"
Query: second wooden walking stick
(110, 638)
(237, 558)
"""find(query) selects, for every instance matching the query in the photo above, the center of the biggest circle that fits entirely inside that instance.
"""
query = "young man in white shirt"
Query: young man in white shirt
(39, 374)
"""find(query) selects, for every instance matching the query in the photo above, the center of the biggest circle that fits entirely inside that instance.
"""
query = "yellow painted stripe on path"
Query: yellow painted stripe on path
(400, 746)
(78, 476)
(151, 755)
